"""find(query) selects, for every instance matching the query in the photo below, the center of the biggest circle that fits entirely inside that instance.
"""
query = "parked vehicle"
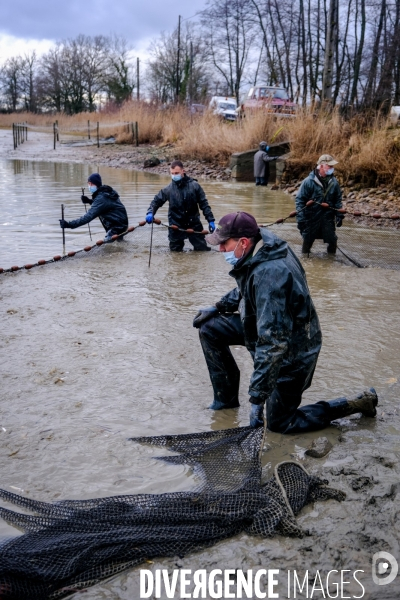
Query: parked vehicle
(395, 115)
(224, 107)
(273, 99)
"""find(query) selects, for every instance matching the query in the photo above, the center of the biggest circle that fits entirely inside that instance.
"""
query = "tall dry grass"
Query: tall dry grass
(368, 150)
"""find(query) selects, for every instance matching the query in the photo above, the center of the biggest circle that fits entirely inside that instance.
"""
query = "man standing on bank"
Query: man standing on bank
(261, 164)
(272, 314)
(315, 221)
(185, 195)
(106, 205)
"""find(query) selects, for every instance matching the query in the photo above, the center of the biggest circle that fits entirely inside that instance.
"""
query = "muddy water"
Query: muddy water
(100, 348)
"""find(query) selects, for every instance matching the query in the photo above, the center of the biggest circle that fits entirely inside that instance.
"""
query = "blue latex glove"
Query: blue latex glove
(256, 415)
(149, 217)
(211, 226)
(339, 220)
(64, 224)
(204, 315)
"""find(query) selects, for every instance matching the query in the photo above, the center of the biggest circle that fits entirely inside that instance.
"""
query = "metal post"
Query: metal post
(98, 138)
(177, 60)
(137, 133)
(54, 137)
(88, 130)
(137, 80)
(62, 216)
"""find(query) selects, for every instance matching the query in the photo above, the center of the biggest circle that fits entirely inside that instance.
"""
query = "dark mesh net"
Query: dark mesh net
(73, 544)
(358, 245)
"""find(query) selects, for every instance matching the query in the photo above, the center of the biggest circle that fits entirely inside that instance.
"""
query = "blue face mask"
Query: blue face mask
(92, 188)
(330, 171)
(230, 256)
(176, 177)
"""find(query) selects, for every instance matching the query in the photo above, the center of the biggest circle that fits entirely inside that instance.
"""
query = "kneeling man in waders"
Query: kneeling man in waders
(185, 196)
(315, 221)
(106, 205)
(272, 314)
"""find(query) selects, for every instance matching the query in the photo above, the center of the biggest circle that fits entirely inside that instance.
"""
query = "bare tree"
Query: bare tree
(12, 82)
(193, 66)
(230, 34)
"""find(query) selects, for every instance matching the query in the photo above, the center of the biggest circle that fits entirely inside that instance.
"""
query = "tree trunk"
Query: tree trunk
(330, 50)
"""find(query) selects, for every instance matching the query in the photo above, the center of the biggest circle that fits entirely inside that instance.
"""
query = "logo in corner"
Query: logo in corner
(384, 568)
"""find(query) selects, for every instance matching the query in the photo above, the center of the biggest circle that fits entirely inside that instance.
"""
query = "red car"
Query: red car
(274, 99)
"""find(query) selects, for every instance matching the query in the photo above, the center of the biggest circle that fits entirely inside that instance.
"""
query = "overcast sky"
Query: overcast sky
(26, 25)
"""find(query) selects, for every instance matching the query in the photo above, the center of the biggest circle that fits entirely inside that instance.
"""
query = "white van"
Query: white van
(224, 106)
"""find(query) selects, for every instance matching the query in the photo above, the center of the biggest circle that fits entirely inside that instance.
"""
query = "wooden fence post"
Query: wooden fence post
(98, 135)
(88, 130)
(54, 136)
(137, 133)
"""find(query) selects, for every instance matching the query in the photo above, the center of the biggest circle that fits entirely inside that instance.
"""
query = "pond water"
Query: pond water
(100, 348)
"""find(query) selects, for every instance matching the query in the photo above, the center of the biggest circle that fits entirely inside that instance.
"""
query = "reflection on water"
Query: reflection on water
(101, 348)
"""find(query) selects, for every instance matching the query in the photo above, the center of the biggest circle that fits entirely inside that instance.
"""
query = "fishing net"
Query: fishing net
(358, 244)
(73, 544)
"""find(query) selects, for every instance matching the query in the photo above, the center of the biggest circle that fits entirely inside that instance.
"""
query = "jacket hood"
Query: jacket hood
(272, 248)
(106, 189)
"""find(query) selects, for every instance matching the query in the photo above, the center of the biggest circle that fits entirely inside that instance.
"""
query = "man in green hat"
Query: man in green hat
(316, 221)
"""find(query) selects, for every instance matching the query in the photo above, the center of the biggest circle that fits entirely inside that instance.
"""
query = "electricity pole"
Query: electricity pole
(177, 60)
(137, 80)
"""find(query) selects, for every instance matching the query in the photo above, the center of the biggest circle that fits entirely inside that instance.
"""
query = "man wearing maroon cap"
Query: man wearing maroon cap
(272, 314)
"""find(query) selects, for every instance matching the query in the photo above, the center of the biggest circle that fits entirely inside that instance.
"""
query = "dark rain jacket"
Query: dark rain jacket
(314, 220)
(280, 323)
(185, 197)
(261, 163)
(108, 207)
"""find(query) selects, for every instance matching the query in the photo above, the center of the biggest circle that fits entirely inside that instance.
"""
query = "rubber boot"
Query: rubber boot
(306, 247)
(332, 248)
(364, 403)
(218, 405)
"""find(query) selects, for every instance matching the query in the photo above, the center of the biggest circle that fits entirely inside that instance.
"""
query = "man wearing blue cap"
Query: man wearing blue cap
(105, 204)
(271, 313)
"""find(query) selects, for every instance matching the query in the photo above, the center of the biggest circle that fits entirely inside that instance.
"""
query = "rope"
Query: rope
(72, 253)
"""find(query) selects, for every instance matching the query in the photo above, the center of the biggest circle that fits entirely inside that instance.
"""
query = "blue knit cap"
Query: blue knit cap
(95, 179)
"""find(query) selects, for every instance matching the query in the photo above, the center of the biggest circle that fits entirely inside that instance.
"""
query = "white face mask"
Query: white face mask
(230, 256)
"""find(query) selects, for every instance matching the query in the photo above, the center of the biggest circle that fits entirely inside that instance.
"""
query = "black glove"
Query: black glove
(339, 220)
(86, 200)
(64, 224)
(204, 315)
(301, 226)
